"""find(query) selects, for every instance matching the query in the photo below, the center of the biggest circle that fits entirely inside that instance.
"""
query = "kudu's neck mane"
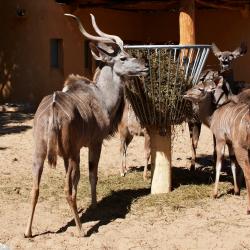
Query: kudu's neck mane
(110, 85)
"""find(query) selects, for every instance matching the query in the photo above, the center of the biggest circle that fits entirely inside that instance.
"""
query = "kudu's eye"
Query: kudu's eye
(123, 59)
(201, 89)
(211, 89)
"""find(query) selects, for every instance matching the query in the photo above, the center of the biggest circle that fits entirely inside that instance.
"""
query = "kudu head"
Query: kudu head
(109, 49)
(227, 57)
(212, 90)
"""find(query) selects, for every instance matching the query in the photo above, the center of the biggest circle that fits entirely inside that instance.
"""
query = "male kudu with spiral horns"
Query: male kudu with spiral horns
(82, 115)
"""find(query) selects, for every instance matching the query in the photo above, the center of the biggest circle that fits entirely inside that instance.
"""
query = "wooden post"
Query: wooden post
(160, 161)
(187, 22)
(161, 145)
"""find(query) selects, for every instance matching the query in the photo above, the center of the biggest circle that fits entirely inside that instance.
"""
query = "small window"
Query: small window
(56, 53)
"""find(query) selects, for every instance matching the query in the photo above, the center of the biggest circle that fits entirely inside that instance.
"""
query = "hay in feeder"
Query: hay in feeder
(158, 98)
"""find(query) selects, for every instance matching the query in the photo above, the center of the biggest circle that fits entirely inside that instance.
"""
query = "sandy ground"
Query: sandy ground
(209, 224)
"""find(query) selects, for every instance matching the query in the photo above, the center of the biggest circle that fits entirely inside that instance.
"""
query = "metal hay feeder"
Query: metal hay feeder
(157, 99)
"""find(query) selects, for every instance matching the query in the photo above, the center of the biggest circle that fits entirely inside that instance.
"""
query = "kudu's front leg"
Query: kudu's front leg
(147, 149)
(71, 182)
(125, 139)
(37, 170)
(123, 152)
(220, 153)
(194, 132)
(214, 153)
(94, 156)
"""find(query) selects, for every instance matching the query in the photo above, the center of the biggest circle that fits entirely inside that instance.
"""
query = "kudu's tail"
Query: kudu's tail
(52, 145)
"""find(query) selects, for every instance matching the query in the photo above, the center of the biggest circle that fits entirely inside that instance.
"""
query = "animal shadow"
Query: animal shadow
(110, 208)
(138, 168)
(118, 203)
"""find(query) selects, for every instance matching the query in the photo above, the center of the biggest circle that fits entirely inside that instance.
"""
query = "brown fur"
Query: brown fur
(128, 128)
(243, 97)
(229, 122)
(82, 115)
(72, 80)
(225, 59)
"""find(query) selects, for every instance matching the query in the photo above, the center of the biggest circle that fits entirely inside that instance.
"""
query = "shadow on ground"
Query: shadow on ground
(114, 206)
(119, 202)
(10, 122)
(203, 174)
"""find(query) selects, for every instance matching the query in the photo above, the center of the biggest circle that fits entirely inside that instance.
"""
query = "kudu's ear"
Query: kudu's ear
(219, 81)
(216, 50)
(240, 51)
(94, 52)
(104, 52)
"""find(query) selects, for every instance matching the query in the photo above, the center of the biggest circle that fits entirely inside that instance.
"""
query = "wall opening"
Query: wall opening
(56, 53)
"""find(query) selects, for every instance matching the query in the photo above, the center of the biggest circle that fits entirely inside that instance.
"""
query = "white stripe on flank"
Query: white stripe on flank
(242, 109)
(63, 109)
(54, 97)
(243, 116)
(43, 111)
(77, 99)
(49, 105)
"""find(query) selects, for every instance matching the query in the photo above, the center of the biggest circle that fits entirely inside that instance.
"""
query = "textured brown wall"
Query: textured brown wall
(25, 73)
(227, 29)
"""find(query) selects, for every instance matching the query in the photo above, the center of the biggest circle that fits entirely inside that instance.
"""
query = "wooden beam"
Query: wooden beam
(187, 22)
(227, 5)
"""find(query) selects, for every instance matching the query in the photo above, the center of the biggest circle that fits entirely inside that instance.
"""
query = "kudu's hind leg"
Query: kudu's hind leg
(72, 179)
(94, 156)
(234, 168)
(147, 149)
(37, 169)
(123, 152)
(242, 156)
(194, 132)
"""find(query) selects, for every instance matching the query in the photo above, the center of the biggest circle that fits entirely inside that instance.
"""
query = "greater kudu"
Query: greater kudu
(84, 114)
(129, 127)
(226, 59)
(229, 120)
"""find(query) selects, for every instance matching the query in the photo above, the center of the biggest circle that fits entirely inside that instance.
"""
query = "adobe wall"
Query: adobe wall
(25, 72)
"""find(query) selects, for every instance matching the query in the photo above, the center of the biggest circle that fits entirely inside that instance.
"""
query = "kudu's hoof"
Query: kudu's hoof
(237, 193)
(215, 196)
(248, 211)
(81, 234)
(93, 206)
(192, 168)
(123, 174)
(27, 235)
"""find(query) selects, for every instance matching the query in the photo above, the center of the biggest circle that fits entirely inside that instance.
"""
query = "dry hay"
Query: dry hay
(158, 98)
